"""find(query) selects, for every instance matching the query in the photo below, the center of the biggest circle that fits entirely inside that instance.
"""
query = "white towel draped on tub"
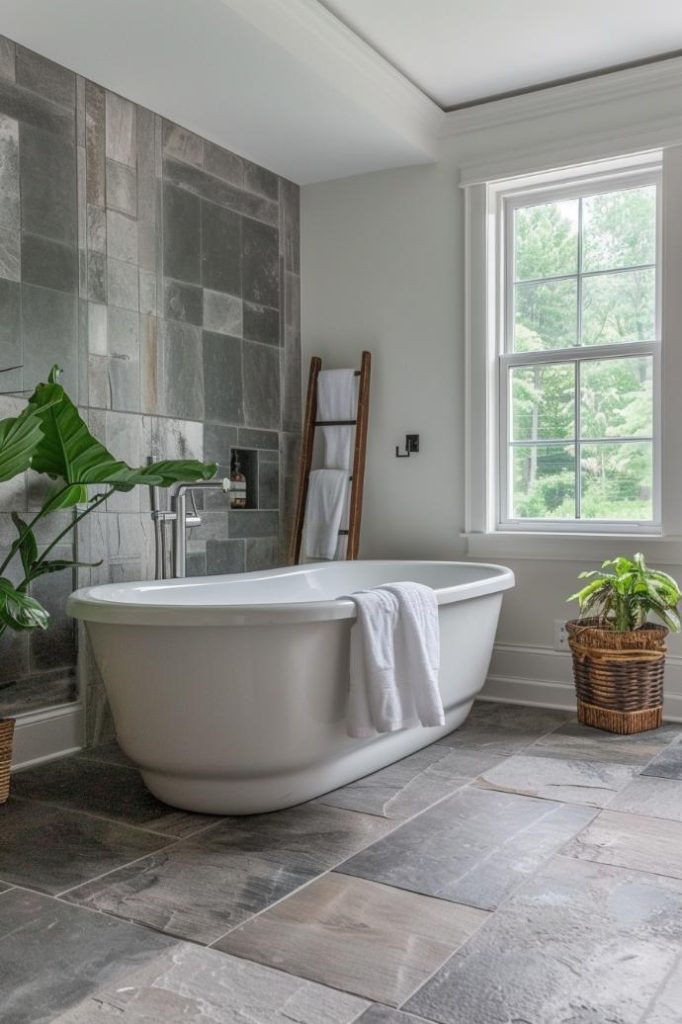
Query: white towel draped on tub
(337, 399)
(394, 660)
(324, 509)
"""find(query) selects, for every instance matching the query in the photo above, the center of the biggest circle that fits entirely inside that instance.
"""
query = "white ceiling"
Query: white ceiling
(459, 51)
(290, 85)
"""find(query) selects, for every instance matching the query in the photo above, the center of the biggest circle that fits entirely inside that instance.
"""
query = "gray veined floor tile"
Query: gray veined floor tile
(202, 887)
(192, 984)
(416, 782)
(386, 1015)
(552, 778)
(109, 752)
(581, 943)
(659, 798)
(475, 847)
(107, 790)
(52, 849)
(667, 764)
(666, 1008)
(53, 955)
(631, 841)
(4, 887)
(372, 940)
(505, 728)
(586, 743)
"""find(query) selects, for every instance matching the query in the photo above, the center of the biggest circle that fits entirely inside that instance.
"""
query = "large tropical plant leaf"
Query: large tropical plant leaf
(28, 547)
(19, 610)
(19, 435)
(68, 451)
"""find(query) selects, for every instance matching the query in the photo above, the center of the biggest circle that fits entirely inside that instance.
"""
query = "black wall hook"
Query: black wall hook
(411, 445)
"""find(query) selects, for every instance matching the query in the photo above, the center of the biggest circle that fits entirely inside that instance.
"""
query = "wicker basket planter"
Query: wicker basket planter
(618, 676)
(6, 737)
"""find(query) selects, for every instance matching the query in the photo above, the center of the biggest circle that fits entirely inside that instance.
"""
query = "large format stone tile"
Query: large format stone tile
(666, 1008)
(579, 943)
(191, 984)
(48, 185)
(474, 847)
(667, 764)
(416, 782)
(659, 798)
(194, 180)
(586, 743)
(181, 235)
(370, 939)
(202, 887)
(630, 841)
(260, 263)
(505, 728)
(386, 1015)
(53, 955)
(579, 782)
(108, 791)
(221, 255)
(261, 369)
(51, 849)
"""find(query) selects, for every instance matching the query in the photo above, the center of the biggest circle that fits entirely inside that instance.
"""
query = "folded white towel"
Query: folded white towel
(337, 399)
(323, 511)
(394, 660)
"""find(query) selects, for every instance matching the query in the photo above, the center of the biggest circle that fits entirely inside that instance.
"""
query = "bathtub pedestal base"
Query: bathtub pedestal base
(251, 794)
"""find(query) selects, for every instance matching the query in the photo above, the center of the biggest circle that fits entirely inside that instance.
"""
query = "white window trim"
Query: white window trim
(485, 532)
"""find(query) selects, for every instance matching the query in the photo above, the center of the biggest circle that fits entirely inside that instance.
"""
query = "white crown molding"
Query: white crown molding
(319, 40)
(617, 85)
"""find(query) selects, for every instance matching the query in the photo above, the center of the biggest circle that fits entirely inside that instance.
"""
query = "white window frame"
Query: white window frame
(485, 534)
(508, 200)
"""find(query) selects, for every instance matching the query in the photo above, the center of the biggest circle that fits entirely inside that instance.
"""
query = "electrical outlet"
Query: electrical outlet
(560, 635)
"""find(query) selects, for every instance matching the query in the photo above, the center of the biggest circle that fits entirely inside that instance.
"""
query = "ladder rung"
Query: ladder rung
(343, 533)
(335, 423)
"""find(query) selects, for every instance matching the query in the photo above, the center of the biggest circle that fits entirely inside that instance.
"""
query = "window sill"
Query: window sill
(593, 548)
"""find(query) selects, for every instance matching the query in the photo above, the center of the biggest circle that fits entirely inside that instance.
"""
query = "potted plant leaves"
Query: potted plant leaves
(618, 654)
(49, 437)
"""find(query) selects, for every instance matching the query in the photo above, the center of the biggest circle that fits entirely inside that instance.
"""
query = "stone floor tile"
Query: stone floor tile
(201, 887)
(416, 782)
(53, 955)
(375, 941)
(666, 1007)
(667, 764)
(631, 841)
(192, 984)
(659, 798)
(108, 790)
(580, 942)
(505, 728)
(588, 744)
(552, 778)
(109, 752)
(475, 847)
(386, 1015)
(51, 849)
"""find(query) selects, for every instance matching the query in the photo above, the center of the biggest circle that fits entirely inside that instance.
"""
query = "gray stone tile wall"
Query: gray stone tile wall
(161, 272)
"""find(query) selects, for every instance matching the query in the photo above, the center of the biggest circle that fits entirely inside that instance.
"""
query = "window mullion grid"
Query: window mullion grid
(577, 428)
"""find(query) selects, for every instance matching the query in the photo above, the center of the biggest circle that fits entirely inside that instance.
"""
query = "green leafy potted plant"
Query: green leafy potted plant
(618, 655)
(50, 437)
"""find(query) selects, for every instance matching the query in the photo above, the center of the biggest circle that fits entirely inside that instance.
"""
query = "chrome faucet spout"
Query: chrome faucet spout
(180, 520)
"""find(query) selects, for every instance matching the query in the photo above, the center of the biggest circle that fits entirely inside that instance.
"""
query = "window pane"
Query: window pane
(619, 229)
(545, 315)
(619, 307)
(617, 481)
(546, 240)
(543, 402)
(616, 397)
(542, 482)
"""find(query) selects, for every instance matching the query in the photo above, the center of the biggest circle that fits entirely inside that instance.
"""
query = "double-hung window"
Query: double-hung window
(579, 354)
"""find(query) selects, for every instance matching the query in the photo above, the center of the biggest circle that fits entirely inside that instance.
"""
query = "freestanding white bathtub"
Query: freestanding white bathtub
(229, 692)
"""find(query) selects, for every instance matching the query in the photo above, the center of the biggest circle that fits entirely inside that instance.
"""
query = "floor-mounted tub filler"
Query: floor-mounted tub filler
(229, 692)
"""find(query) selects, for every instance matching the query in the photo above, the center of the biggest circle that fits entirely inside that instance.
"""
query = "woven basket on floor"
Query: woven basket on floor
(6, 735)
(618, 676)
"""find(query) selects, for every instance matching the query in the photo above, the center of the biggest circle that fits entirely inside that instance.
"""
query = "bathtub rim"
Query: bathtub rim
(90, 605)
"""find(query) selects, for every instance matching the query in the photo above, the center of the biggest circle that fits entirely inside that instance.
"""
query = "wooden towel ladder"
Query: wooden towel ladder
(358, 472)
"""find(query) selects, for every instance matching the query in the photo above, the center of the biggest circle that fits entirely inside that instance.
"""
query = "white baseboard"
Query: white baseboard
(47, 734)
(542, 677)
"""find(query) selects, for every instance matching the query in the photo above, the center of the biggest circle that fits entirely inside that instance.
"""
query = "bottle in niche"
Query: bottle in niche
(238, 484)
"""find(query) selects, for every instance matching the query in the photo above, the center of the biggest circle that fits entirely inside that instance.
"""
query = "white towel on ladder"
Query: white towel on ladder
(337, 399)
(394, 660)
(324, 509)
